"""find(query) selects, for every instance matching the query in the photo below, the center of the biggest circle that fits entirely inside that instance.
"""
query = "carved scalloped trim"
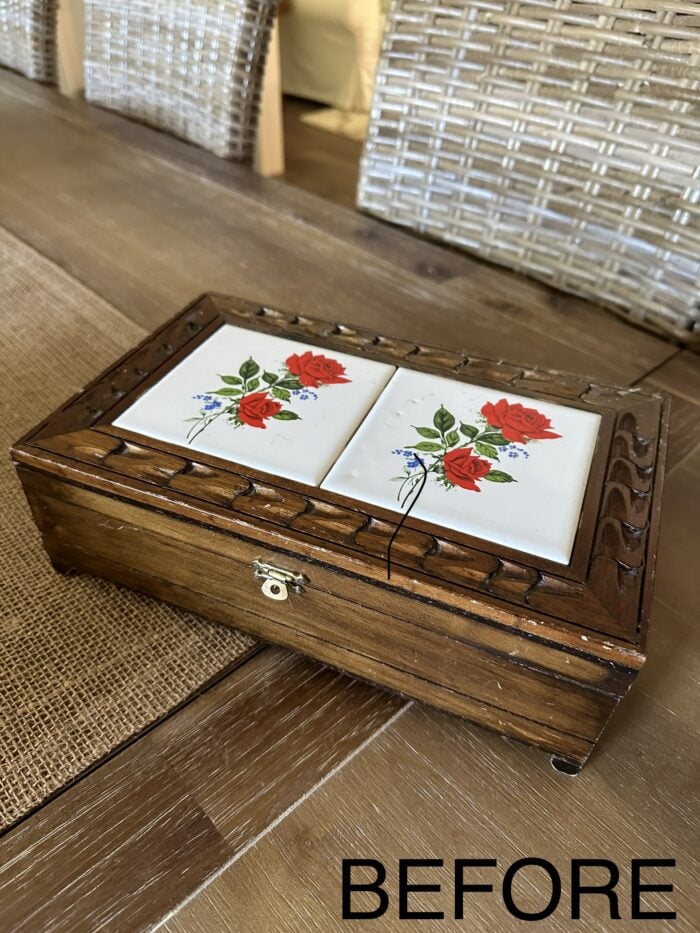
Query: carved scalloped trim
(454, 363)
(93, 403)
(609, 602)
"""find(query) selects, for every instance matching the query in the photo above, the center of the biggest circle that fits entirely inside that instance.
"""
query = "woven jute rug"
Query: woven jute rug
(84, 665)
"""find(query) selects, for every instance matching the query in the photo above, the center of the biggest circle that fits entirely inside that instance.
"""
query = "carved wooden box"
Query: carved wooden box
(254, 486)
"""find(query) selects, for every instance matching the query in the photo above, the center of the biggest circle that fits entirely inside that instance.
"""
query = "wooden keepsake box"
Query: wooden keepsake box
(257, 467)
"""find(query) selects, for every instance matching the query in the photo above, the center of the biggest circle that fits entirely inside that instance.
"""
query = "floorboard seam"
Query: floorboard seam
(282, 816)
(655, 369)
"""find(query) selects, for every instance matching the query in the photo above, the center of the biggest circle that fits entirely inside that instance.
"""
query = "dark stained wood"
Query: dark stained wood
(625, 463)
(126, 844)
(433, 787)
(605, 590)
(552, 711)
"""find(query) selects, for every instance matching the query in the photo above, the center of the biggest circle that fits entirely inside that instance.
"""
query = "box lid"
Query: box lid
(598, 601)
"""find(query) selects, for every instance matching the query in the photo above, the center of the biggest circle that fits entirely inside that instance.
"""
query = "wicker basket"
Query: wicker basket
(559, 138)
(193, 68)
(28, 37)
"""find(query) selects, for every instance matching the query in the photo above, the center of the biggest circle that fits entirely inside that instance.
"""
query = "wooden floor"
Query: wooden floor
(235, 813)
(319, 162)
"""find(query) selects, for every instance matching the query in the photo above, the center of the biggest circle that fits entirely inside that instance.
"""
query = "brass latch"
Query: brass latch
(276, 582)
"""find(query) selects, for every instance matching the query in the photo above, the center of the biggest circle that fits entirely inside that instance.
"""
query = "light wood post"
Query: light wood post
(70, 38)
(269, 154)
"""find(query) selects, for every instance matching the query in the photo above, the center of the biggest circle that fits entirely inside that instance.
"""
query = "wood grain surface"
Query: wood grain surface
(126, 844)
(428, 633)
(319, 769)
(433, 787)
(149, 235)
(317, 161)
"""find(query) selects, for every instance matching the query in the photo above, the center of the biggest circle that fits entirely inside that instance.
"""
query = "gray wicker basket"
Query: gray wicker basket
(193, 68)
(28, 37)
(559, 138)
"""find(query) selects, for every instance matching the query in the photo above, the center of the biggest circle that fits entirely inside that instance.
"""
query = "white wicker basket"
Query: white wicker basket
(193, 68)
(28, 37)
(560, 138)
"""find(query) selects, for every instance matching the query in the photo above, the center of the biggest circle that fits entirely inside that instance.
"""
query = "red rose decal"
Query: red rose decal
(255, 408)
(237, 401)
(315, 369)
(517, 423)
(463, 469)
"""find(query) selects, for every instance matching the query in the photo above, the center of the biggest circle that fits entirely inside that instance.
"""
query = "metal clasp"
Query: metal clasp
(276, 581)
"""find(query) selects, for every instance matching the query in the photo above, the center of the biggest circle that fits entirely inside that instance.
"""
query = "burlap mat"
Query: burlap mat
(84, 665)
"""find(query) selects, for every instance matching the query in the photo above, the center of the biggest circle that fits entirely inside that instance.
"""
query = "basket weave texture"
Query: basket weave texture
(28, 37)
(193, 68)
(84, 665)
(559, 138)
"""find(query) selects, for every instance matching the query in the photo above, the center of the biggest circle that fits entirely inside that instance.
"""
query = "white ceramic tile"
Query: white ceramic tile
(534, 508)
(331, 400)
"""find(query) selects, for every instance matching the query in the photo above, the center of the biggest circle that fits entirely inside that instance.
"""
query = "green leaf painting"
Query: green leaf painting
(463, 457)
(255, 396)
